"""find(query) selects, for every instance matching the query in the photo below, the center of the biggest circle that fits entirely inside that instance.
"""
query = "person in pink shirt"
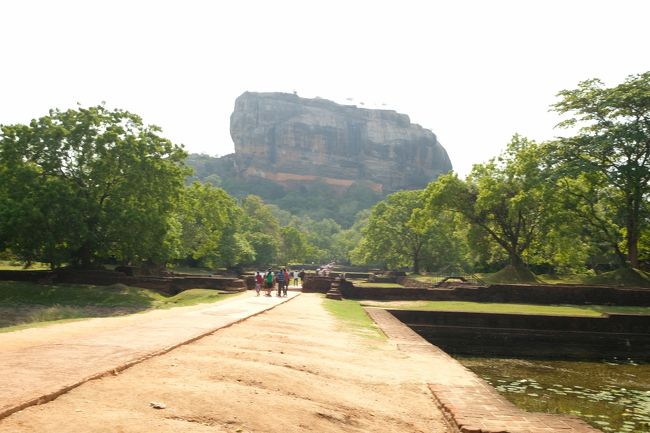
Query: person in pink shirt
(258, 283)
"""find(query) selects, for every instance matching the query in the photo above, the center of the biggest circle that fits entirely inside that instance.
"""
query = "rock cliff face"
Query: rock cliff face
(285, 138)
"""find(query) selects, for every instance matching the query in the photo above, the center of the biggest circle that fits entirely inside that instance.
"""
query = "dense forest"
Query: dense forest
(314, 200)
(91, 186)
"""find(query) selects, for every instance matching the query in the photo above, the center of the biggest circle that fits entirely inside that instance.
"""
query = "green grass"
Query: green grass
(476, 307)
(425, 278)
(379, 285)
(622, 277)
(353, 317)
(12, 292)
(191, 270)
(28, 304)
(7, 265)
(511, 274)
(563, 279)
(626, 277)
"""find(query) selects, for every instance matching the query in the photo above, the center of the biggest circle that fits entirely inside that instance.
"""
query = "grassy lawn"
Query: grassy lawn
(353, 317)
(562, 279)
(192, 271)
(619, 277)
(26, 304)
(380, 285)
(476, 307)
(6, 265)
(426, 278)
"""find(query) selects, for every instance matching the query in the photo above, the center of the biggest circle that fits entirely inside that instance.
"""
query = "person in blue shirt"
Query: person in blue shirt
(279, 277)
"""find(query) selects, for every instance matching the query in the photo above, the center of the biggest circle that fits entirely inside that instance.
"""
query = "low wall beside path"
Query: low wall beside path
(169, 284)
(509, 293)
(542, 294)
(314, 284)
(610, 336)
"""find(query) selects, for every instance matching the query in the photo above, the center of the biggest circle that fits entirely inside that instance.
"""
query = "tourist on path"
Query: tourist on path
(279, 277)
(269, 282)
(286, 283)
(294, 275)
(258, 283)
(301, 274)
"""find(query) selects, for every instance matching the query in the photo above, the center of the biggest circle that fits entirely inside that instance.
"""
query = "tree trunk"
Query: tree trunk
(416, 265)
(632, 229)
(620, 255)
(85, 256)
(633, 250)
(515, 260)
(416, 258)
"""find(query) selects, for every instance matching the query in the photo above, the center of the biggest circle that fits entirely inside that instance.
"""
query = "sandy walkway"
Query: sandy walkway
(291, 369)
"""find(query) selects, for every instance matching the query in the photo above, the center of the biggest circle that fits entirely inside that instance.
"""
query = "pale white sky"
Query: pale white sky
(474, 72)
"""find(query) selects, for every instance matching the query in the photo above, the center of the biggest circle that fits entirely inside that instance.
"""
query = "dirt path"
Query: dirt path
(39, 364)
(291, 369)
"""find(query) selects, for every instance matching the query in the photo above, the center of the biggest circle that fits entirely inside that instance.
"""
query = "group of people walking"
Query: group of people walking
(282, 278)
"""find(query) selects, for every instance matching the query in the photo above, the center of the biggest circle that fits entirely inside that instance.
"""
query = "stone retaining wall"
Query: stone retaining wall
(511, 293)
(616, 335)
(168, 285)
(314, 284)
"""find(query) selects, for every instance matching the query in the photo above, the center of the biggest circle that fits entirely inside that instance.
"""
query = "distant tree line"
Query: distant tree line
(314, 200)
(90, 186)
(568, 204)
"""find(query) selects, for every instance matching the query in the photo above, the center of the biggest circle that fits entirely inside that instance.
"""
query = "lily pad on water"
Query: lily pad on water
(604, 394)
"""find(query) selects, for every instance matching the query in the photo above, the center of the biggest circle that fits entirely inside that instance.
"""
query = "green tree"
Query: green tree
(261, 229)
(357, 197)
(505, 198)
(593, 205)
(295, 247)
(614, 141)
(446, 247)
(79, 184)
(235, 249)
(321, 237)
(207, 213)
(265, 248)
(346, 240)
(393, 236)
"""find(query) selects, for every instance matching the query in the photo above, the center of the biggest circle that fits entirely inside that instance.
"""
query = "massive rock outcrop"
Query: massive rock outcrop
(288, 139)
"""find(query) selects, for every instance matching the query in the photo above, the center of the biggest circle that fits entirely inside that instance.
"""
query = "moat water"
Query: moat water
(611, 395)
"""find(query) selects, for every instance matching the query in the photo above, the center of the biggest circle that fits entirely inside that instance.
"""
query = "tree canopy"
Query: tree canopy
(87, 186)
(79, 183)
(612, 149)
(504, 197)
(206, 214)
